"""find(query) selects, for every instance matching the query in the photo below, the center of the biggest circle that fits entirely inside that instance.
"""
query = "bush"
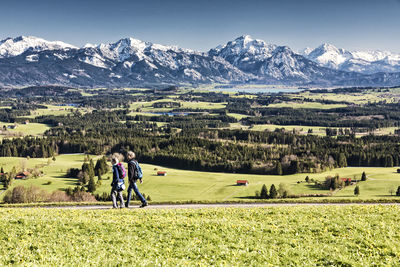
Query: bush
(33, 194)
(103, 197)
(21, 194)
(82, 196)
(264, 192)
(357, 191)
(363, 176)
(59, 196)
(273, 193)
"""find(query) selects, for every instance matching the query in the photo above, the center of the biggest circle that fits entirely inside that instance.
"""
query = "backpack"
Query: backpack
(121, 170)
(138, 173)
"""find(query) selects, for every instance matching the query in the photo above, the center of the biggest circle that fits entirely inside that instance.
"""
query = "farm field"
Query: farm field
(315, 105)
(286, 236)
(147, 106)
(184, 185)
(51, 110)
(354, 98)
(34, 129)
(54, 171)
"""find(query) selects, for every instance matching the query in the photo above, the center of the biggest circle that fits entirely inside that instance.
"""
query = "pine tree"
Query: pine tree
(307, 179)
(101, 166)
(91, 185)
(398, 191)
(97, 167)
(342, 162)
(278, 169)
(272, 192)
(357, 191)
(363, 176)
(2, 170)
(91, 168)
(264, 192)
(389, 161)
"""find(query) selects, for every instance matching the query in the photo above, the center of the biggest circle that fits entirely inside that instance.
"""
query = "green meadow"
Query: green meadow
(315, 105)
(34, 129)
(185, 185)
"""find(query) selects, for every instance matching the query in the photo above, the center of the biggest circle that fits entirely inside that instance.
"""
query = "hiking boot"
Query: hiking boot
(143, 205)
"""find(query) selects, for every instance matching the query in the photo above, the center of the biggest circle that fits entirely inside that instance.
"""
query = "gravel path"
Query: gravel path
(230, 205)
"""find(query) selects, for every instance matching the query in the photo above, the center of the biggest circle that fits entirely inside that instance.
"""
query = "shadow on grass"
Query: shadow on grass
(247, 197)
(314, 187)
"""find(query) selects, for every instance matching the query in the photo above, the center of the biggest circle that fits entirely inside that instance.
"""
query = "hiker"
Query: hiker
(134, 174)
(117, 185)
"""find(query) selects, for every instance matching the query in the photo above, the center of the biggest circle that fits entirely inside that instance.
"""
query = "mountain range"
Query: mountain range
(28, 60)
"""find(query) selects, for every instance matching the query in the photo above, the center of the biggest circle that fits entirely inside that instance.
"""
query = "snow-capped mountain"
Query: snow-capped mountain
(11, 47)
(272, 63)
(131, 62)
(366, 62)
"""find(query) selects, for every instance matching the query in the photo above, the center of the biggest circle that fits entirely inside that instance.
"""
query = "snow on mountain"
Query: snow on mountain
(367, 62)
(243, 48)
(129, 62)
(267, 61)
(10, 47)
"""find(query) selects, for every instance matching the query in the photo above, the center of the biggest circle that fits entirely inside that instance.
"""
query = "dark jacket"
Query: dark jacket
(131, 171)
(115, 176)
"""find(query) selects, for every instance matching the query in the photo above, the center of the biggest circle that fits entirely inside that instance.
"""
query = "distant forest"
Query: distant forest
(202, 140)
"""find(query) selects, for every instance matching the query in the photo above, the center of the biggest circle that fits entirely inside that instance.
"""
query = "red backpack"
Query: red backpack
(121, 170)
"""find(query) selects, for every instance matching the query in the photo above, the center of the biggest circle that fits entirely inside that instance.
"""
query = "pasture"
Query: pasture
(185, 185)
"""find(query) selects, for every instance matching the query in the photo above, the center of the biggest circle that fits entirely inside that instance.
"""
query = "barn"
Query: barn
(242, 182)
(161, 173)
(22, 175)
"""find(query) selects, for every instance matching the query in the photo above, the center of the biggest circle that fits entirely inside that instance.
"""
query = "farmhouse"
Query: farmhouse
(242, 182)
(22, 175)
(162, 173)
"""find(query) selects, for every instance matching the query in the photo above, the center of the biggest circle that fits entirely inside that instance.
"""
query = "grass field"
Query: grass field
(34, 129)
(53, 172)
(51, 110)
(183, 185)
(352, 98)
(315, 105)
(275, 236)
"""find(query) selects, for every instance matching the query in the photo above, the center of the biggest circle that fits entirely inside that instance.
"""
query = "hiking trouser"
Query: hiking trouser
(136, 190)
(117, 194)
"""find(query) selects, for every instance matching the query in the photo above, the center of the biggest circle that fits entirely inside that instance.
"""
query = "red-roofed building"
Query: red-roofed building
(22, 175)
(242, 182)
(162, 173)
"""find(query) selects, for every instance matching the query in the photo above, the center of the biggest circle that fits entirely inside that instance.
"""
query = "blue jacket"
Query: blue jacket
(115, 176)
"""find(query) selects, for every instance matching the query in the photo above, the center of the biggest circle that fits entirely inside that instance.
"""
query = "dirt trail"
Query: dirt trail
(202, 206)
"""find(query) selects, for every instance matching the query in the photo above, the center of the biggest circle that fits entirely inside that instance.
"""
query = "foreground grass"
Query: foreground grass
(305, 236)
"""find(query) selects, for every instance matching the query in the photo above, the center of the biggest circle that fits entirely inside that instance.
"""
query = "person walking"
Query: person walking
(134, 174)
(117, 185)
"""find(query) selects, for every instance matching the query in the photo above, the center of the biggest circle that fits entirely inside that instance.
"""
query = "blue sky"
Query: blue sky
(203, 24)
